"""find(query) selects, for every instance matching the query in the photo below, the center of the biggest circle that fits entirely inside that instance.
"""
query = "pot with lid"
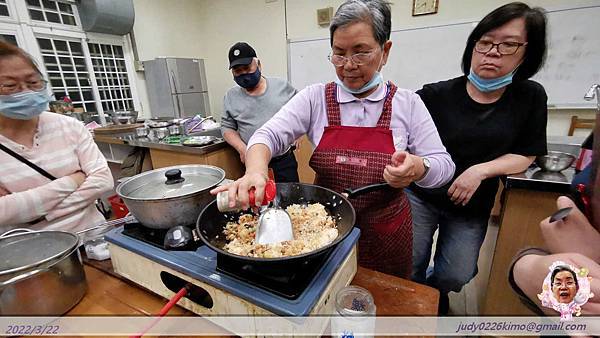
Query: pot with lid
(40, 273)
(170, 196)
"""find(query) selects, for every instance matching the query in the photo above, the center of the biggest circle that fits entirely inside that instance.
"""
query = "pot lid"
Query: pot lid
(171, 182)
(26, 250)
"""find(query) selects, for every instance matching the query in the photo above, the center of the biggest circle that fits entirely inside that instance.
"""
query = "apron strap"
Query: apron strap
(333, 107)
(386, 115)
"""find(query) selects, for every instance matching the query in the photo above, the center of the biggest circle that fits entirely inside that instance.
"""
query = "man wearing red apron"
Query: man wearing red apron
(350, 157)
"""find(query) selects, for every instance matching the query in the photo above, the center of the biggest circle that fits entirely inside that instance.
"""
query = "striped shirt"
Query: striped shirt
(62, 146)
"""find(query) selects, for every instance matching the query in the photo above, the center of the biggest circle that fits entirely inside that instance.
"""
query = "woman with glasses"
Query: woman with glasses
(51, 170)
(493, 122)
(365, 131)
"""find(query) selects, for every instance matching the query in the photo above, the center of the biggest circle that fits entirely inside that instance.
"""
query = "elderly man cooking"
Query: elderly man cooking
(365, 131)
(252, 103)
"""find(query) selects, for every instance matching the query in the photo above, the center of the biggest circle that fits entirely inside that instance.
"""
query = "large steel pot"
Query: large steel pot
(171, 196)
(40, 273)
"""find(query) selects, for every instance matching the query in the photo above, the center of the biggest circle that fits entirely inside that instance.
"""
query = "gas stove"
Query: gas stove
(224, 286)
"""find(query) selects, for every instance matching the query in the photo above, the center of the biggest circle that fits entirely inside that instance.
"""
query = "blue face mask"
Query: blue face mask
(249, 80)
(374, 82)
(489, 85)
(24, 105)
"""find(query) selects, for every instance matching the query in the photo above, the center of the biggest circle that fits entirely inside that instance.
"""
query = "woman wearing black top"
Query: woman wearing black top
(492, 121)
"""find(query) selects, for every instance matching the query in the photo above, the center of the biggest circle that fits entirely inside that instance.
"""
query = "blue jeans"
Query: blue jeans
(457, 250)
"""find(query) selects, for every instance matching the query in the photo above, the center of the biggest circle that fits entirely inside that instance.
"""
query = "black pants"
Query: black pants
(285, 167)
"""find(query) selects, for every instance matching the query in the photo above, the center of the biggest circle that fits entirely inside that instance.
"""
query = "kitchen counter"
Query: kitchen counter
(528, 198)
(538, 180)
(130, 139)
(109, 295)
(116, 146)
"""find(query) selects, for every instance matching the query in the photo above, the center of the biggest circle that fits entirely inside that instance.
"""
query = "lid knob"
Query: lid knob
(173, 176)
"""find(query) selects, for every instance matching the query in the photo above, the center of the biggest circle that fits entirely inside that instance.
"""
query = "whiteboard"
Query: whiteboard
(431, 54)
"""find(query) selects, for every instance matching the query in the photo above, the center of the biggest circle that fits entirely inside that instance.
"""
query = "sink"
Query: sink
(210, 132)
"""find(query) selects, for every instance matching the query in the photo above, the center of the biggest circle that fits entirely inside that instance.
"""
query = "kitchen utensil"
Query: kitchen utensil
(274, 223)
(141, 132)
(160, 133)
(170, 196)
(198, 141)
(211, 221)
(40, 273)
(560, 214)
(274, 226)
(99, 230)
(123, 117)
(555, 161)
(165, 309)
(158, 123)
(174, 130)
(356, 310)
(172, 139)
(178, 238)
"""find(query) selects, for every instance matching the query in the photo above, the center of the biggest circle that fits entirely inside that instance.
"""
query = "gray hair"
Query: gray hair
(377, 13)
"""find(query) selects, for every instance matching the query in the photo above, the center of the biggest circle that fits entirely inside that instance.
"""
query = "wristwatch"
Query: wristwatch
(427, 166)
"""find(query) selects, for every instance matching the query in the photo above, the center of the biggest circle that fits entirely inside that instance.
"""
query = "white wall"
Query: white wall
(207, 28)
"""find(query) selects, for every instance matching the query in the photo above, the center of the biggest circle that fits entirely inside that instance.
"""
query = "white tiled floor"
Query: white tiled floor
(470, 299)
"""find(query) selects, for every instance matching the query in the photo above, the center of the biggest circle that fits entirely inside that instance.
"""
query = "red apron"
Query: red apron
(350, 157)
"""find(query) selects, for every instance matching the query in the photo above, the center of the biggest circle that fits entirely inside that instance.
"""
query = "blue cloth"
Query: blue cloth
(457, 250)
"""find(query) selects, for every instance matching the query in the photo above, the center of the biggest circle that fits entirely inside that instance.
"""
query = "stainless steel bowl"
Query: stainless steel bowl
(555, 161)
(124, 117)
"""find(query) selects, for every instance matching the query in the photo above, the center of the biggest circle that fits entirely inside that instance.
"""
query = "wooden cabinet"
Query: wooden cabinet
(226, 158)
(522, 212)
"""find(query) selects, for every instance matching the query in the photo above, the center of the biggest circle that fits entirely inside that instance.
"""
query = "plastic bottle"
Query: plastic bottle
(585, 156)
(223, 198)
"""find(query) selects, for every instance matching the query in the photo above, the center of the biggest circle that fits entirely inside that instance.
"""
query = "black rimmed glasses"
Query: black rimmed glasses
(12, 87)
(504, 48)
(358, 58)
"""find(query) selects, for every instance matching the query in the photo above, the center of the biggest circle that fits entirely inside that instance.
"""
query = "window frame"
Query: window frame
(27, 31)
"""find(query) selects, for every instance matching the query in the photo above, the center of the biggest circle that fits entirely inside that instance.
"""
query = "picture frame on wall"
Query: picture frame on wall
(424, 7)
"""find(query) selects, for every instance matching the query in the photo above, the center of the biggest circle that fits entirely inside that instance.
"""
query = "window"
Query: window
(4, 8)
(111, 76)
(67, 71)
(9, 38)
(51, 11)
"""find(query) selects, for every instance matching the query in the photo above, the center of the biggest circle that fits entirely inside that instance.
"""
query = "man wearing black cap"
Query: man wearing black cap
(252, 103)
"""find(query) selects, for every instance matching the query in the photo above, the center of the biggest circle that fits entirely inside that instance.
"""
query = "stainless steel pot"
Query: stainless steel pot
(171, 196)
(40, 273)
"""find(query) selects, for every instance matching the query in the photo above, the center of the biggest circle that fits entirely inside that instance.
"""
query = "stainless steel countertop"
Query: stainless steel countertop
(130, 139)
(536, 179)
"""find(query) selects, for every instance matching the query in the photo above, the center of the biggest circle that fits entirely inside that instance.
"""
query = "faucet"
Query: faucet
(594, 91)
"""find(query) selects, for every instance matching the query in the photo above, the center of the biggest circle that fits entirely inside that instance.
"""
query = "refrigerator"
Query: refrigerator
(176, 87)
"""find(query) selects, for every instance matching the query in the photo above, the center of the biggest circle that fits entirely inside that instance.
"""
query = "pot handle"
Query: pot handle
(355, 192)
(21, 277)
(16, 231)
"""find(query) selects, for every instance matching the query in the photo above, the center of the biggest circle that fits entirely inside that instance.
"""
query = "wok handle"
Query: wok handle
(355, 192)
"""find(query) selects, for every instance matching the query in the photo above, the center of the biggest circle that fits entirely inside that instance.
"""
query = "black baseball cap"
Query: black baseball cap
(241, 54)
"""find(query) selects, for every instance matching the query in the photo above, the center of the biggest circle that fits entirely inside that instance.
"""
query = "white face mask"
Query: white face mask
(375, 81)
(24, 105)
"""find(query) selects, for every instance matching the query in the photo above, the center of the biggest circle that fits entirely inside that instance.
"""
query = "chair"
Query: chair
(577, 123)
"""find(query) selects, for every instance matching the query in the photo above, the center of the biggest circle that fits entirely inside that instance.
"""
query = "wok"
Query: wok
(211, 221)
